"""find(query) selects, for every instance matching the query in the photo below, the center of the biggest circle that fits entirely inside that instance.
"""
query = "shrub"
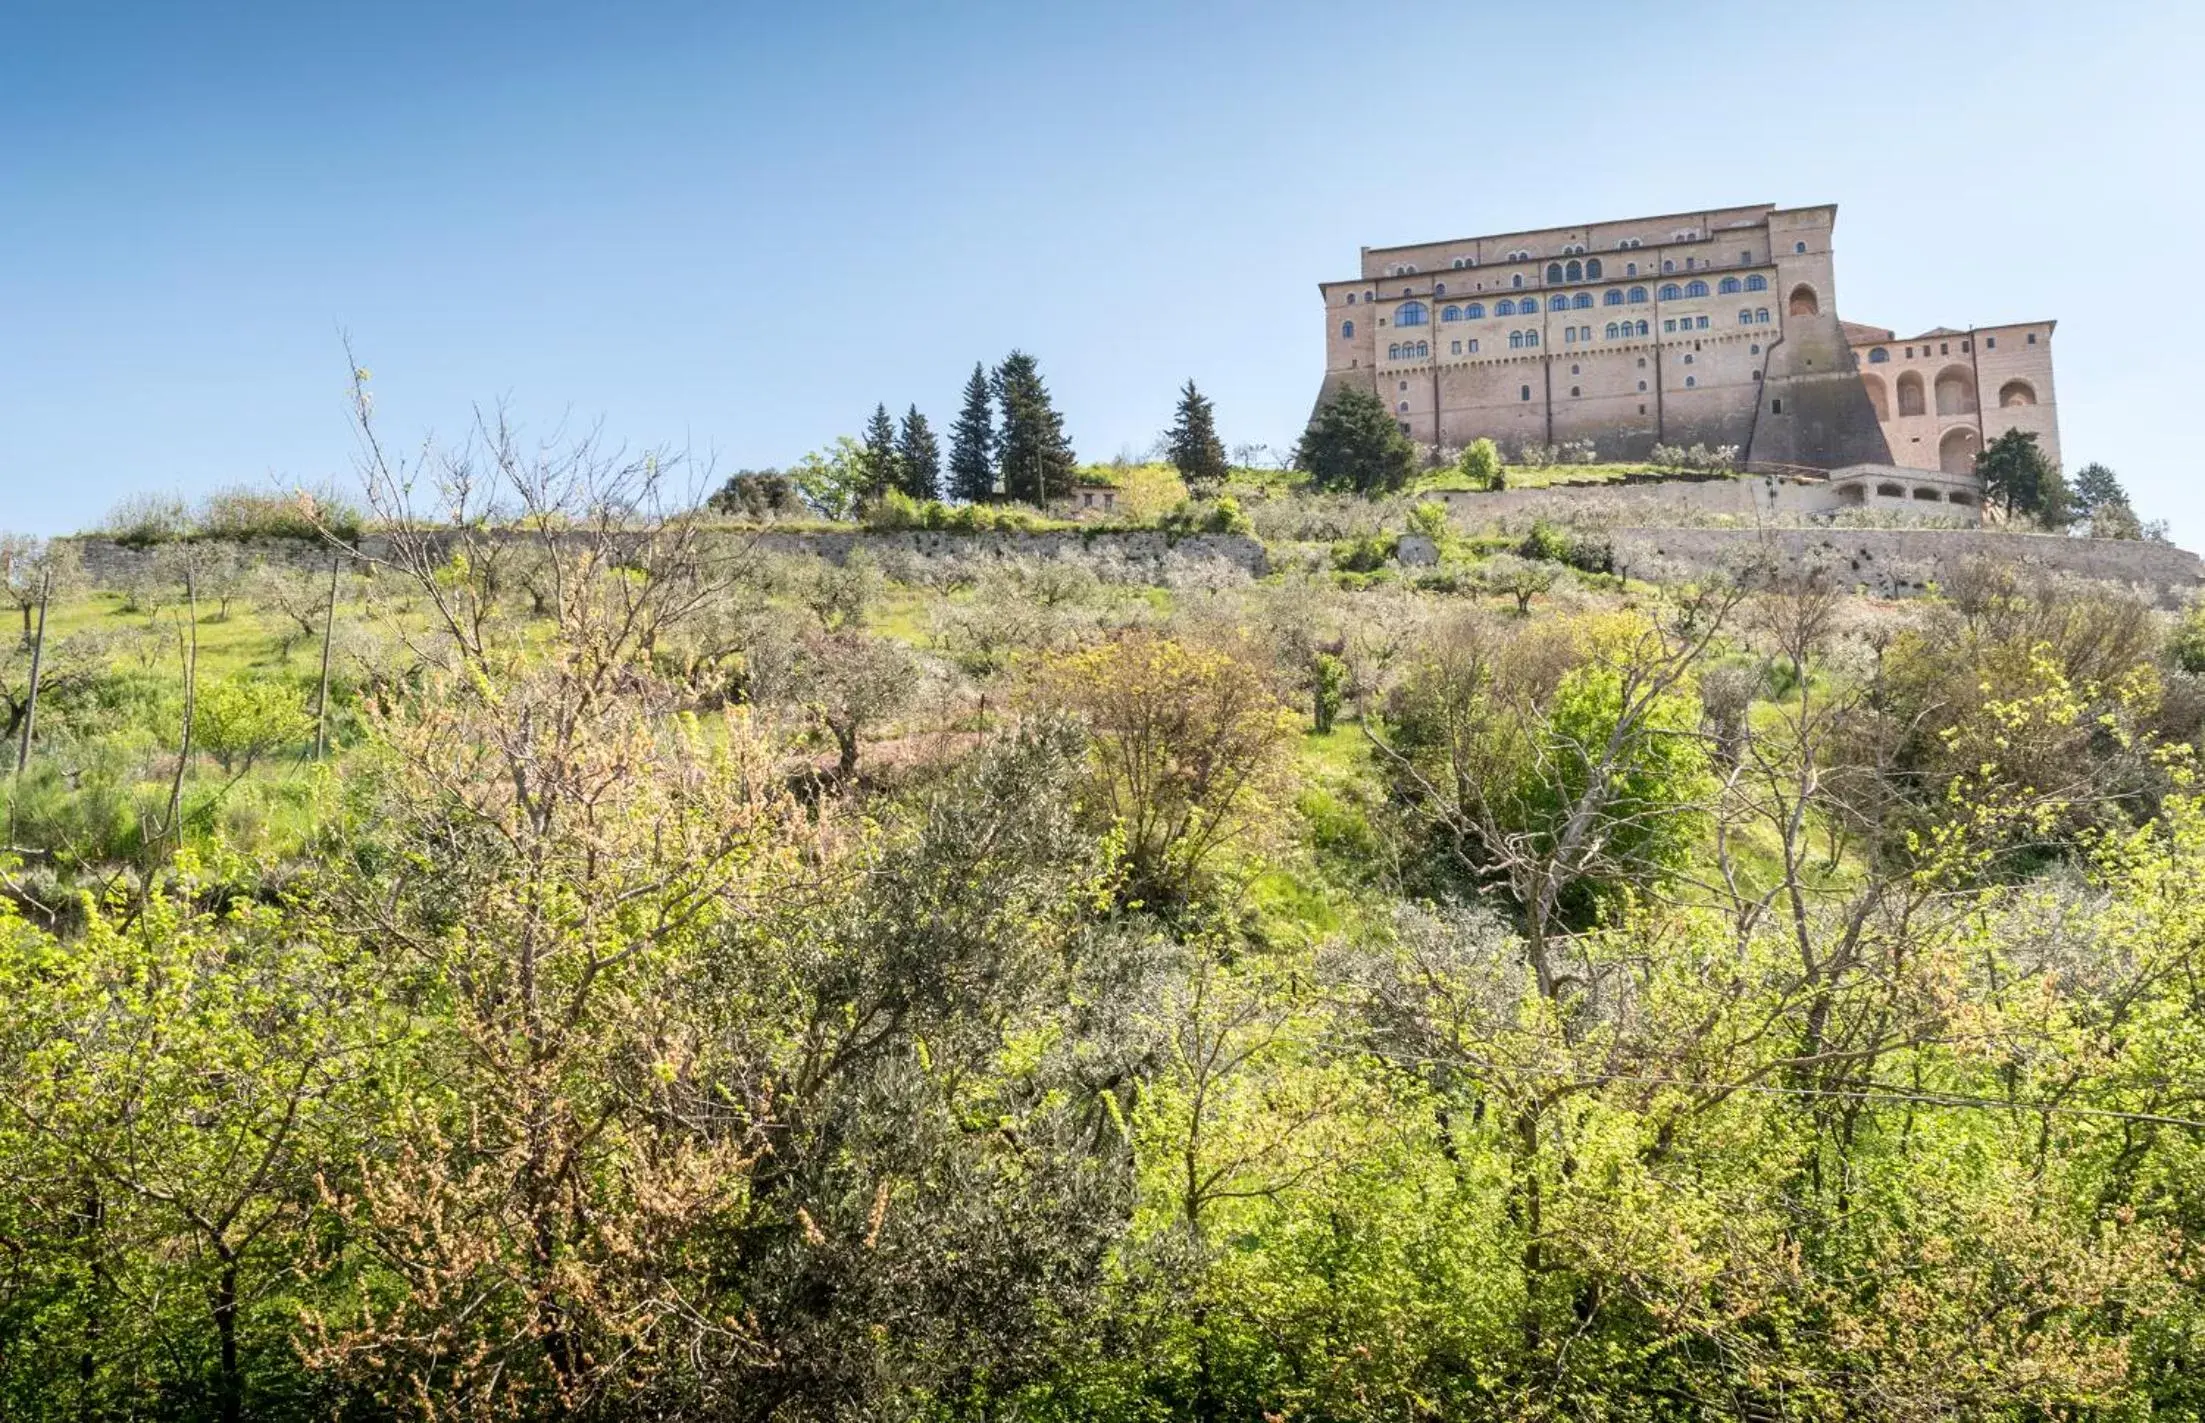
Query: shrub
(2188, 645)
(1365, 553)
(142, 520)
(1222, 516)
(1428, 519)
(1188, 743)
(238, 720)
(240, 512)
(1481, 464)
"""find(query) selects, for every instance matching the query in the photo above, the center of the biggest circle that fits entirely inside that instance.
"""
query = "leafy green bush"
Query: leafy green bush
(241, 719)
(2188, 644)
(1365, 553)
(1481, 464)
(1221, 516)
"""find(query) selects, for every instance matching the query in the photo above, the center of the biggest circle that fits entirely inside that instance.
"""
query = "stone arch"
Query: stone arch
(1955, 391)
(1960, 497)
(1888, 490)
(1927, 495)
(1804, 302)
(2017, 392)
(1878, 396)
(1910, 394)
(1957, 448)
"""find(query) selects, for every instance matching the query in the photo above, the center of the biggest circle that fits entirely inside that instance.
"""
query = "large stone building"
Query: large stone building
(1715, 328)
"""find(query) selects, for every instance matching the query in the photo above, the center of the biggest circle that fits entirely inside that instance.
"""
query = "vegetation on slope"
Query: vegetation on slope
(729, 987)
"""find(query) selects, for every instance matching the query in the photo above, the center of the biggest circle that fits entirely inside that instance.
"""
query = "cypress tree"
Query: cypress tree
(918, 458)
(877, 457)
(1193, 444)
(1033, 456)
(972, 443)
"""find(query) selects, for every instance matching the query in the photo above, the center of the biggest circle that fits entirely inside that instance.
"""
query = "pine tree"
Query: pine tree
(1032, 455)
(2016, 473)
(878, 458)
(2095, 485)
(918, 458)
(1193, 444)
(1355, 444)
(972, 443)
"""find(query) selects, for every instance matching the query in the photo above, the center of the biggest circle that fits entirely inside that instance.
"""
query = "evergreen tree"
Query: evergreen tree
(1192, 443)
(2095, 485)
(1032, 456)
(1355, 444)
(2016, 474)
(918, 458)
(877, 457)
(972, 443)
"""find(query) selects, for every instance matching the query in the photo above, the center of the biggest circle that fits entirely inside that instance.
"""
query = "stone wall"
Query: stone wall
(1143, 556)
(1899, 563)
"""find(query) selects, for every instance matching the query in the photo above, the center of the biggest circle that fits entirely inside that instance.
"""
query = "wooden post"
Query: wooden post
(38, 651)
(321, 699)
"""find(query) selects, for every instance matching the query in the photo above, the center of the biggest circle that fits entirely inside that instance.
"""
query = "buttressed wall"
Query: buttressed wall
(1717, 327)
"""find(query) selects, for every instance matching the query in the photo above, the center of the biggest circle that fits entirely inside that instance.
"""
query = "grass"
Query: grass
(1543, 476)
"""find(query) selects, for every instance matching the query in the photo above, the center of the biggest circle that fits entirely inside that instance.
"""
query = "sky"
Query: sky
(730, 229)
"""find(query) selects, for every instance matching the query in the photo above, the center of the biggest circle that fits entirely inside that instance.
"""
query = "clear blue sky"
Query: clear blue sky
(737, 226)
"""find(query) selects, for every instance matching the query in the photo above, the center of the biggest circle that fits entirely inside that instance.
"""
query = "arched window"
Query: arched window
(1638, 296)
(1523, 392)
(1473, 312)
(1757, 283)
(1670, 291)
(1423, 350)
(1569, 334)
(1582, 300)
(1613, 331)
(1695, 288)
(1878, 356)
(1691, 381)
(1403, 407)
(1439, 289)
(1393, 352)
(1554, 271)
(1799, 247)
(1451, 313)
(1878, 399)
(1516, 340)
(1613, 298)
(1730, 286)
(1531, 338)
(1504, 307)
(1688, 359)
(1412, 313)
(1592, 269)
(1644, 329)
(1760, 316)
(1576, 271)
(1517, 280)
(1955, 392)
(1347, 330)
(1558, 303)
(1745, 318)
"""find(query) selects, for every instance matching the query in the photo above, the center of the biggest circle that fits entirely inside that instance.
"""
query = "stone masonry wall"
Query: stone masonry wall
(1141, 556)
(1897, 563)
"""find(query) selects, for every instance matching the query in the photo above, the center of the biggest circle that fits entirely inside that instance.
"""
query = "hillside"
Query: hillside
(658, 973)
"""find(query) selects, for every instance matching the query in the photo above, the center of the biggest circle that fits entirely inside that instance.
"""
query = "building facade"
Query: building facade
(1716, 327)
(1943, 395)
